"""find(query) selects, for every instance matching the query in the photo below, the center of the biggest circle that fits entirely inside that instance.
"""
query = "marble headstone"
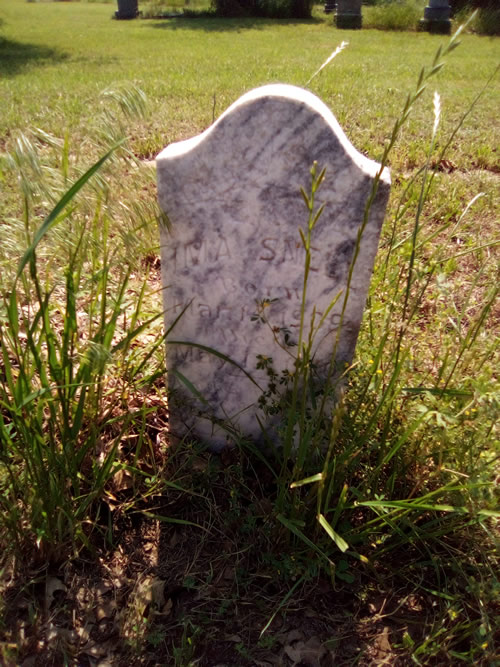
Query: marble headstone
(232, 197)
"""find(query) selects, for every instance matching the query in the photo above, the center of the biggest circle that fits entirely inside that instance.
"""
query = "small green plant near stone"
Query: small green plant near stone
(184, 653)
(486, 19)
(171, 8)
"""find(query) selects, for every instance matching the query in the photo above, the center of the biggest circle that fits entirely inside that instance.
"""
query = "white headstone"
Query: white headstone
(232, 196)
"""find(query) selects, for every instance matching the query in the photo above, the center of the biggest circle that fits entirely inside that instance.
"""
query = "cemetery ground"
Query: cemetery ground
(119, 547)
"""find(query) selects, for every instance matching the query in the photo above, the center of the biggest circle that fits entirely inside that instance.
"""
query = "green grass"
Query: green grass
(398, 15)
(412, 448)
(168, 59)
(486, 21)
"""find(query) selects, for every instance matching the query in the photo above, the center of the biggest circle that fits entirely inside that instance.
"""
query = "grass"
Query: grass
(486, 21)
(136, 550)
(399, 15)
(166, 58)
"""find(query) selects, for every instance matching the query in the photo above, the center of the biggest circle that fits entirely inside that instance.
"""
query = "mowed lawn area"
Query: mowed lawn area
(119, 546)
(58, 57)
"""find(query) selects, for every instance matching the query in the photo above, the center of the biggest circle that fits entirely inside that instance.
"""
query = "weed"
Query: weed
(392, 446)
(483, 21)
(70, 363)
(184, 653)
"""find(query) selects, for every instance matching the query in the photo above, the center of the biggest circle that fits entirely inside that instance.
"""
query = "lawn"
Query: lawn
(119, 545)
(58, 57)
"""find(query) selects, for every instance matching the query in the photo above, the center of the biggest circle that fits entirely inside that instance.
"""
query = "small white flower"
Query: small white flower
(437, 111)
(328, 60)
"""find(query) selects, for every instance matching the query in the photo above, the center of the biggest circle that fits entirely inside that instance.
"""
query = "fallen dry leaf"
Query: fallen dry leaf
(294, 636)
(122, 479)
(175, 539)
(158, 592)
(52, 585)
(167, 608)
(103, 587)
(100, 650)
(105, 610)
(382, 643)
(199, 464)
(308, 653)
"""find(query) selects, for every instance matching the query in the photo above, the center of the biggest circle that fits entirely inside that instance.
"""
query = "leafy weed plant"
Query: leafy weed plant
(484, 21)
(71, 365)
(409, 449)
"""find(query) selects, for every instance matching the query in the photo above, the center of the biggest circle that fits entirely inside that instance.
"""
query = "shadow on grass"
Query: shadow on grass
(14, 56)
(215, 24)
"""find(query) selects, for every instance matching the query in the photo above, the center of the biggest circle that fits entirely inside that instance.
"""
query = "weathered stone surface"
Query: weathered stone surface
(436, 17)
(232, 196)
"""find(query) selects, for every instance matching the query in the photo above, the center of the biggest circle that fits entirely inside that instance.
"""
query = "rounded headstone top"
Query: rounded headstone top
(261, 99)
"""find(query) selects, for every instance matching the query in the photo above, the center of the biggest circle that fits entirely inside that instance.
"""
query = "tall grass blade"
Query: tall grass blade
(53, 216)
(339, 541)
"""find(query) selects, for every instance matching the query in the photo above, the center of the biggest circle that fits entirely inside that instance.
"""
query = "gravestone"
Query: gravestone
(348, 14)
(127, 9)
(232, 197)
(436, 17)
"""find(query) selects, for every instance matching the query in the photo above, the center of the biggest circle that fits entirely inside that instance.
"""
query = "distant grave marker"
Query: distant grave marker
(127, 9)
(436, 17)
(348, 14)
(232, 196)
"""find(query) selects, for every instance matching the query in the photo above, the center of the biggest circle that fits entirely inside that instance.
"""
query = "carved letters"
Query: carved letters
(287, 250)
(199, 252)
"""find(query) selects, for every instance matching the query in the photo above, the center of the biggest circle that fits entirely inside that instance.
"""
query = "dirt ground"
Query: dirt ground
(206, 578)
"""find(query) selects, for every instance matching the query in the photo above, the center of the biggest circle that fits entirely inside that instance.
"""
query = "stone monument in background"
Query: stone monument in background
(348, 14)
(127, 9)
(436, 17)
(233, 248)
